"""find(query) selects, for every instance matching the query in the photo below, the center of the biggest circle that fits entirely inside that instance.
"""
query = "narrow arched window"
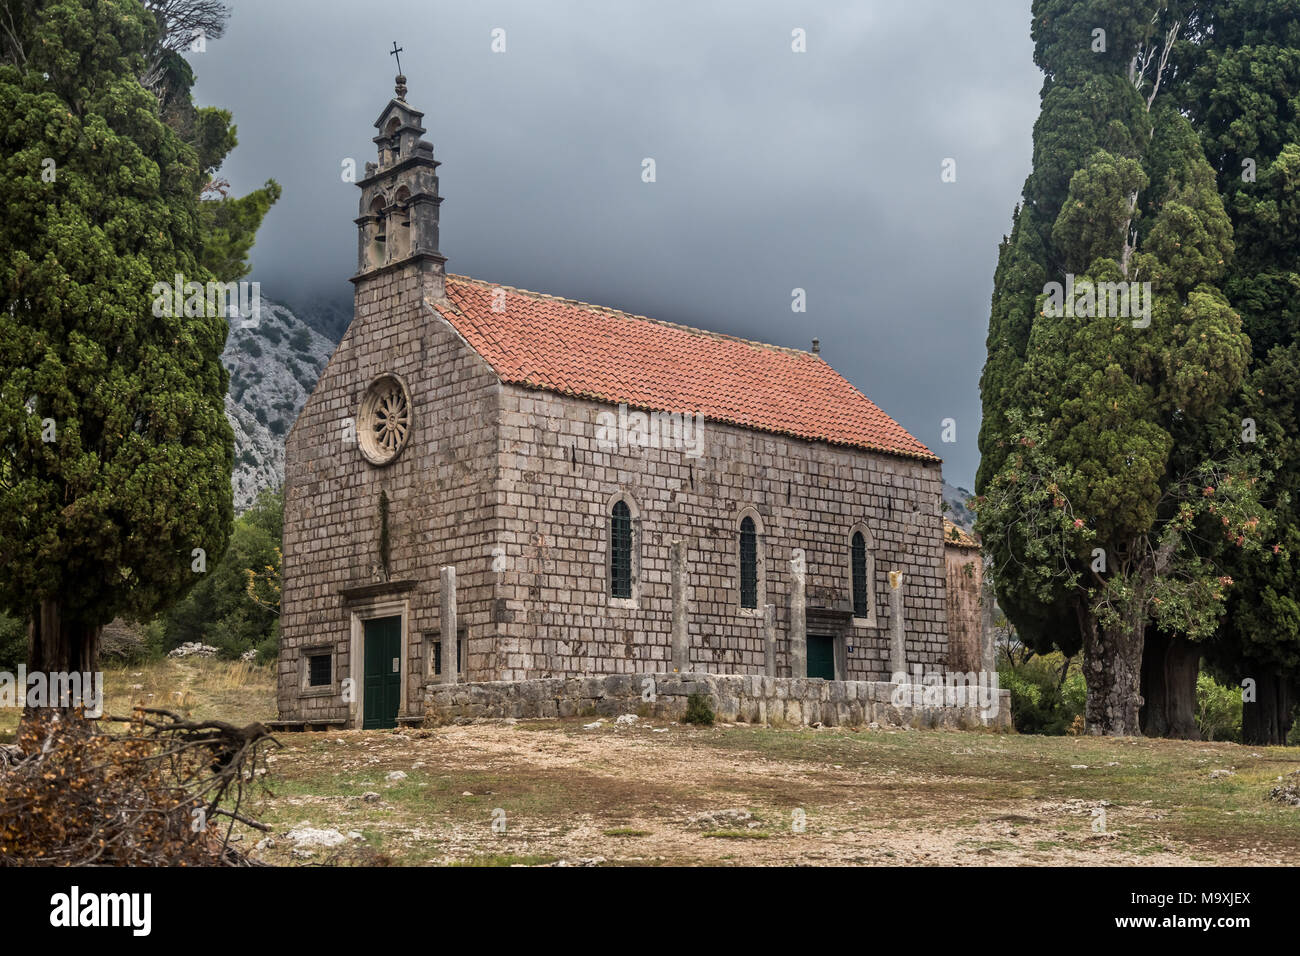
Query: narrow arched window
(620, 551)
(858, 550)
(748, 563)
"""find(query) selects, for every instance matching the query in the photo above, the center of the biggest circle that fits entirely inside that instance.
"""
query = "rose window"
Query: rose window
(385, 420)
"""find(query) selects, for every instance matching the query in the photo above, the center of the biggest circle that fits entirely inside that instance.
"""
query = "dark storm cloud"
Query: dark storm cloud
(775, 170)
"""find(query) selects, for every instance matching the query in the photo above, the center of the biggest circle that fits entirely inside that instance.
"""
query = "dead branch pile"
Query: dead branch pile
(164, 791)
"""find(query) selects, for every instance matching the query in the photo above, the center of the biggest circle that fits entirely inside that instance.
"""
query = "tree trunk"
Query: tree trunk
(56, 644)
(1266, 720)
(1170, 666)
(1112, 660)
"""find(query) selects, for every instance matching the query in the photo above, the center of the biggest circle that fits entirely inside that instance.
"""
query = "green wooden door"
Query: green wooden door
(821, 656)
(383, 672)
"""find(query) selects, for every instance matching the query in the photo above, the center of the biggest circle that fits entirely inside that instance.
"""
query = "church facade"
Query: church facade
(566, 460)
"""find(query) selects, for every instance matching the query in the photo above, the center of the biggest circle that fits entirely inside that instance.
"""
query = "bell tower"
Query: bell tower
(398, 221)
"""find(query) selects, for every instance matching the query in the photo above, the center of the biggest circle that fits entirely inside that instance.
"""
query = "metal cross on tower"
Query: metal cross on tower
(394, 52)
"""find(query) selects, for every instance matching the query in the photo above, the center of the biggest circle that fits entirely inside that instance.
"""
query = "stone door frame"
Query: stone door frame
(837, 625)
(367, 611)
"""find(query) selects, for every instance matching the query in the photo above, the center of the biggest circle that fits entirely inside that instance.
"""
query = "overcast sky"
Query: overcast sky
(775, 170)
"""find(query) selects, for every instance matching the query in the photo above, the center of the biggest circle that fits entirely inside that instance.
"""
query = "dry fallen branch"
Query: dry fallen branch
(164, 791)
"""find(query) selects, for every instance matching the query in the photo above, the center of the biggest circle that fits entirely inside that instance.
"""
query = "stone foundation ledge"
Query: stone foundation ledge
(752, 699)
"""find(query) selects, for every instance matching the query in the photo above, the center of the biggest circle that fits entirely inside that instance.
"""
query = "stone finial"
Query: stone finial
(400, 88)
(817, 346)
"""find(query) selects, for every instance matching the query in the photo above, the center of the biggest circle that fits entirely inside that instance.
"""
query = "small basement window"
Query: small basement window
(319, 672)
(436, 650)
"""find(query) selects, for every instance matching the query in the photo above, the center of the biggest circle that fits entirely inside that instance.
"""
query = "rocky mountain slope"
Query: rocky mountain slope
(273, 368)
(957, 511)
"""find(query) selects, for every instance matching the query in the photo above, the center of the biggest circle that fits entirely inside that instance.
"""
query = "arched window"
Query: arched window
(748, 563)
(620, 551)
(858, 558)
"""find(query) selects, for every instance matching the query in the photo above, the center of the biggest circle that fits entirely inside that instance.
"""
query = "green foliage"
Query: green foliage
(698, 710)
(1240, 87)
(13, 643)
(1041, 703)
(300, 340)
(105, 519)
(223, 610)
(1110, 486)
(1218, 709)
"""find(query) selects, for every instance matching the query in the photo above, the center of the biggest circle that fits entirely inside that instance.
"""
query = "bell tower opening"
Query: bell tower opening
(397, 221)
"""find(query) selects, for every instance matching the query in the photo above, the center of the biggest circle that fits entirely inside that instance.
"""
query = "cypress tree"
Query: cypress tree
(115, 481)
(1240, 87)
(1100, 473)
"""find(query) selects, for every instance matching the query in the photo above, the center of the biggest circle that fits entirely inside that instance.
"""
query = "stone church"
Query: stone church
(610, 494)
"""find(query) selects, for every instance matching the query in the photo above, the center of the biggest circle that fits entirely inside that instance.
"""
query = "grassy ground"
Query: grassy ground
(222, 690)
(629, 795)
(651, 793)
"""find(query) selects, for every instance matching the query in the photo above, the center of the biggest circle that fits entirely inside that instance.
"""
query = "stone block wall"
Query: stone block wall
(557, 484)
(440, 490)
(772, 701)
(964, 570)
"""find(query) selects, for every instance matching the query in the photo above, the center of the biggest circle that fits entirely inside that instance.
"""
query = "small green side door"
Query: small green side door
(383, 672)
(821, 656)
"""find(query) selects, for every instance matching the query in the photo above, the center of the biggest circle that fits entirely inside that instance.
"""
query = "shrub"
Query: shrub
(1041, 703)
(698, 711)
(1218, 709)
(13, 643)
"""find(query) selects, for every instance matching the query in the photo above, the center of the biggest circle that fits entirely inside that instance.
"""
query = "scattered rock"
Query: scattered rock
(467, 793)
(721, 819)
(370, 796)
(1289, 792)
(193, 649)
(1217, 774)
(584, 861)
(310, 836)
(265, 843)
(248, 656)
(627, 720)
(395, 775)
(594, 725)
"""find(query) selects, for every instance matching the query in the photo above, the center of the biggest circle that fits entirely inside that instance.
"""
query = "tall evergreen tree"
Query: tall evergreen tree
(115, 476)
(1099, 474)
(1240, 86)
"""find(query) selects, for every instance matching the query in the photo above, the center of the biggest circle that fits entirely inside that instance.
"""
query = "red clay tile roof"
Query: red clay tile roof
(560, 345)
(957, 537)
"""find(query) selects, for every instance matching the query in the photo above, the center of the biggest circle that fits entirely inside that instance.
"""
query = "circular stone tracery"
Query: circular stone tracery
(385, 420)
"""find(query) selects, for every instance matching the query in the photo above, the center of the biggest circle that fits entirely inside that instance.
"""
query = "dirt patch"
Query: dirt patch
(555, 792)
